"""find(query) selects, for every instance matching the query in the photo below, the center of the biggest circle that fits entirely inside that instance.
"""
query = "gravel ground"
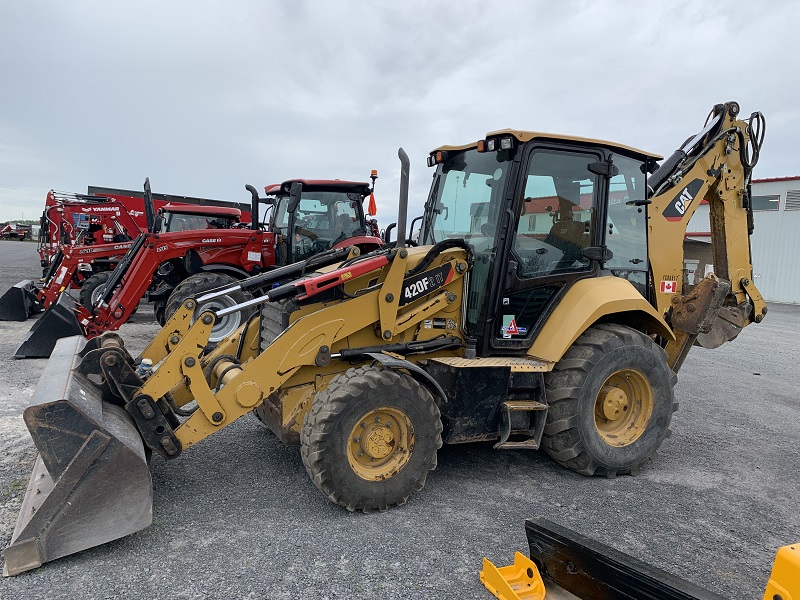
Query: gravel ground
(236, 516)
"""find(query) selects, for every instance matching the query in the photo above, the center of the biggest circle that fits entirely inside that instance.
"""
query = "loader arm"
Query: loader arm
(308, 341)
(715, 166)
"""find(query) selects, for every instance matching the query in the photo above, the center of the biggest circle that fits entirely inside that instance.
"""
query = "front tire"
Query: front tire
(93, 288)
(610, 402)
(202, 283)
(371, 438)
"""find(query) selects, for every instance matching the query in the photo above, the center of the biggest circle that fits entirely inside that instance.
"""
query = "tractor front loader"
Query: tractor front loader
(544, 309)
(169, 264)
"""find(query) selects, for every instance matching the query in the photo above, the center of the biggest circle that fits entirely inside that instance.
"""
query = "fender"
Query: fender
(368, 242)
(584, 304)
(417, 372)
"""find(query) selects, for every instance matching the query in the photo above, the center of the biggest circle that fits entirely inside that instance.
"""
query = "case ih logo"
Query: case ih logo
(680, 204)
(210, 240)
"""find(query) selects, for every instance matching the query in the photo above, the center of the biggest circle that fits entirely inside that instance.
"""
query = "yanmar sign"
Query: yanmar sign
(100, 209)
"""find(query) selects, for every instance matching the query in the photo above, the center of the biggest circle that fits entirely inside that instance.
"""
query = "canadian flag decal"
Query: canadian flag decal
(669, 287)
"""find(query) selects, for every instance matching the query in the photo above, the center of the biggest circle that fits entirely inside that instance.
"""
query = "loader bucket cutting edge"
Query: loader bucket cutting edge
(91, 483)
(19, 302)
(58, 321)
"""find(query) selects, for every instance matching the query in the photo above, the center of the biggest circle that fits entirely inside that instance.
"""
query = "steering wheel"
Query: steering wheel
(318, 246)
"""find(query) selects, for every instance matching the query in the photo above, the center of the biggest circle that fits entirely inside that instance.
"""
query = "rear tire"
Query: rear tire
(371, 438)
(93, 288)
(201, 283)
(610, 402)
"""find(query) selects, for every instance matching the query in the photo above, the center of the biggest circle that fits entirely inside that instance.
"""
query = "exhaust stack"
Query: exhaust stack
(402, 210)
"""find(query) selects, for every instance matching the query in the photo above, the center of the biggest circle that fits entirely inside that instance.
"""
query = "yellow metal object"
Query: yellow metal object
(784, 581)
(171, 334)
(583, 304)
(380, 444)
(520, 581)
(517, 364)
(248, 394)
(623, 407)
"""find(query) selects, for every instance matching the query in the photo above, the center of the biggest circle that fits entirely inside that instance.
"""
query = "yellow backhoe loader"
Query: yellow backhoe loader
(544, 307)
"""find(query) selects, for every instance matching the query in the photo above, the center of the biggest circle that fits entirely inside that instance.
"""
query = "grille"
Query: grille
(792, 200)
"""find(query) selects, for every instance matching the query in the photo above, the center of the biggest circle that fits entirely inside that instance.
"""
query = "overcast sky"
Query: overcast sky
(204, 97)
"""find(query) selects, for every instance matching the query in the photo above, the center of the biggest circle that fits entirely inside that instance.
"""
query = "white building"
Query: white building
(775, 242)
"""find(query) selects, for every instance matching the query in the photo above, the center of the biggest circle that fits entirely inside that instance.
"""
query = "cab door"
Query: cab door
(556, 205)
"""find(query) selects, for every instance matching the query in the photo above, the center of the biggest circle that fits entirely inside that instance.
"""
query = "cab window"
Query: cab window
(557, 214)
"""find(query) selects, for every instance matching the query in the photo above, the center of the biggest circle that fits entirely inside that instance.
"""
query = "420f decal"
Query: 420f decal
(425, 283)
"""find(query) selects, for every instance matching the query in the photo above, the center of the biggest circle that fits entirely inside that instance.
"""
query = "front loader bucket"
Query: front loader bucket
(58, 321)
(91, 483)
(19, 302)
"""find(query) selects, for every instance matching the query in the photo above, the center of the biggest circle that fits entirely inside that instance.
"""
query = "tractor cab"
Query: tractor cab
(181, 217)
(541, 213)
(311, 216)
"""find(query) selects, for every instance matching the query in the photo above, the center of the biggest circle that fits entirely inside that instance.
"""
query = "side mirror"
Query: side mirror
(294, 196)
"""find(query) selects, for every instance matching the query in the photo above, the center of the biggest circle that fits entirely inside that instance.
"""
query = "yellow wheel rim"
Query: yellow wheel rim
(623, 407)
(380, 444)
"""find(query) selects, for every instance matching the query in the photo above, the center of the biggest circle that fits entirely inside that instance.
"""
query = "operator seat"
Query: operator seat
(567, 235)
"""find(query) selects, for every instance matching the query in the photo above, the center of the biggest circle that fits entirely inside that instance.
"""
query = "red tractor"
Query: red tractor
(13, 231)
(83, 261)
(167, 266)
(107, 215)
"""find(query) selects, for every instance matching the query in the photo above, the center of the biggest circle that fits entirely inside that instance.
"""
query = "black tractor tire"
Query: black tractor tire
(354, 400)
(195, 286)
(609, 370)
(160, 311)
(92, 288)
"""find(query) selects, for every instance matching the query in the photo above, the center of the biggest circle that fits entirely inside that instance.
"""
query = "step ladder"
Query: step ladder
(537, 413)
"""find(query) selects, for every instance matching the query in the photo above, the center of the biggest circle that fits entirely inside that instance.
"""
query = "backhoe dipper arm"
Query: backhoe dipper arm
(715, 165)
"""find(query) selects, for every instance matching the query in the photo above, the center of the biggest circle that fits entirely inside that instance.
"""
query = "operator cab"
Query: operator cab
(191, 218)
(325, 213)
(541, 212)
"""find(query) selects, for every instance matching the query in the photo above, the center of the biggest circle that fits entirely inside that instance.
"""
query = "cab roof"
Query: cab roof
(192, 209)
(359, 187)
(526, 136)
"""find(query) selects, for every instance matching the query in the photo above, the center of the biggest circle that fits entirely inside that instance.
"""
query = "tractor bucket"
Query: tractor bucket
(91, 483)
(19, 302)
(58, 321)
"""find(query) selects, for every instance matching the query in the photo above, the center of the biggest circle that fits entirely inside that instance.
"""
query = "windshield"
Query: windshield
(468, 191)
(465, 202)
(190, 222)
(322, 219)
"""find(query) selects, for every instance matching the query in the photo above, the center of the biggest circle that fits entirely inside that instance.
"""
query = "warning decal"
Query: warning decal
(510, 327)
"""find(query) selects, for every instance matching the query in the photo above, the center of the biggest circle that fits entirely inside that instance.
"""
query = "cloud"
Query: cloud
(205, 96)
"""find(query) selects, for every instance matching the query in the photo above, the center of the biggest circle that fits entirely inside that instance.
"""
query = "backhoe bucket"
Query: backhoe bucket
(91, 483)
(58, 321)
(19, 302)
